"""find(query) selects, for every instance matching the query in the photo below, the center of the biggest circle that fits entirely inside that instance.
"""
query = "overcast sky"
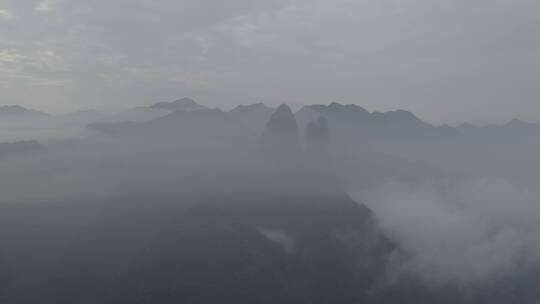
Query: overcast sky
(445, 60)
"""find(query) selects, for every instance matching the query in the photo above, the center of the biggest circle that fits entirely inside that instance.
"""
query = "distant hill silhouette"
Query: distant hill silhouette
(281, 135)
(184, 104)
(157, 110)
(349, 123)
(15, 112)
(515, 130)
(197, 125)
(253, 116)
(352, 122)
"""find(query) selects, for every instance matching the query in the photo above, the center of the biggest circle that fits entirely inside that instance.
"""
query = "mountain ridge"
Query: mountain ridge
(182, 104)
(17, 111)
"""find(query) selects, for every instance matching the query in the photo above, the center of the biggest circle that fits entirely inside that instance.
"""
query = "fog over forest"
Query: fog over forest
(178, 202)
(269, 151)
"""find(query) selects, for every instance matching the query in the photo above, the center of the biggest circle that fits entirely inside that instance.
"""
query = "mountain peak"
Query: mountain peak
(349, 107)
(522, 126)
(252, 107)
(349, 112)
(183, 104)
(401, 115)
(253, 117)
(185, 100)
(517, 122)
(283, 110)
(281, 134)
(19, 110)
(13, 109)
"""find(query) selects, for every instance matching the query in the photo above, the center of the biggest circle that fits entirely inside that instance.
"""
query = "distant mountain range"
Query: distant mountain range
(349, 123)
(253, 117)
(352, 122)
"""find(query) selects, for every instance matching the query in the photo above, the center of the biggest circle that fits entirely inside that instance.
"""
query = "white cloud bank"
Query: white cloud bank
(468, 231)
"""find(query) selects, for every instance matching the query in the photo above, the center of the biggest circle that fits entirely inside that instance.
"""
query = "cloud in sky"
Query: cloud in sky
(47, 5)
(6, 15)
(446, 60)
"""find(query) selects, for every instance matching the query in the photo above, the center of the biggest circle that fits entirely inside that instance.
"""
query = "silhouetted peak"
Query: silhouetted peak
(251, 108)
(283, 111)
(184, 104)
(281, 133)
(521, 127)
(215, 113)
(348, 107)
(19, 110)
(337, 110)
(13, 108)
(517, 123)
(186, 100)
(401, 115)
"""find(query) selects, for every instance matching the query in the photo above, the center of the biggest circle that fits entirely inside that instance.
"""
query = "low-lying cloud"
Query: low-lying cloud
(461, 232)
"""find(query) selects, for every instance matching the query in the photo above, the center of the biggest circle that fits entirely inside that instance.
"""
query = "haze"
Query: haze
(447, 61)
(282, 151)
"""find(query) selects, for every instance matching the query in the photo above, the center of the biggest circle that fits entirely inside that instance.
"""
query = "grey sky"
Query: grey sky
(446, 60)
